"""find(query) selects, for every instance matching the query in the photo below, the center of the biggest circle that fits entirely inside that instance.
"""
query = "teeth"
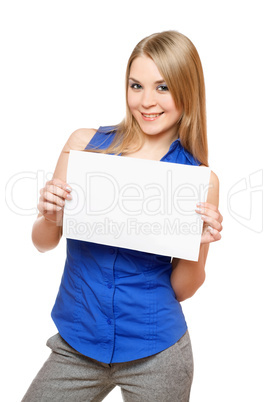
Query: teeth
(151, 115)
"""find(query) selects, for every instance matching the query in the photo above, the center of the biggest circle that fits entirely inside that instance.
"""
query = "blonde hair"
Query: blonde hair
(178, 62)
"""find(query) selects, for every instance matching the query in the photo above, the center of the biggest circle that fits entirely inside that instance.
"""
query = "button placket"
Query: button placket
(109, 298)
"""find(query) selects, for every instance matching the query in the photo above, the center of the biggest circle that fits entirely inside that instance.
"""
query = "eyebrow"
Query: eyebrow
(156, 82)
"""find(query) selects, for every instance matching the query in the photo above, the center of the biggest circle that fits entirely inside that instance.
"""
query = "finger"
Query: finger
(206, 211)
(215, 224)
(60, 183)
(215, 234)
(56, 190)
(210, 235)
(45, 207)
(53, 199)
(205, 207)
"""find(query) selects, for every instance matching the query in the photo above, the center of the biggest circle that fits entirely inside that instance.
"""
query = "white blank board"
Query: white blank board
(134, 203)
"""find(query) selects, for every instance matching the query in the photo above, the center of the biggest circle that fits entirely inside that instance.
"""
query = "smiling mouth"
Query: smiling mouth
(152, 115)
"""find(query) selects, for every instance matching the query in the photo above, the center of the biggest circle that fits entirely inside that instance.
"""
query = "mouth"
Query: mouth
(151, 116)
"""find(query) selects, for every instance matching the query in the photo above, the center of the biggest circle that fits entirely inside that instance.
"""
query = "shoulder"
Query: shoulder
(79, 139)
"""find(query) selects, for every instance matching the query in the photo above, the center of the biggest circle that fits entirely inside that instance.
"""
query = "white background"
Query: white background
(62, 68)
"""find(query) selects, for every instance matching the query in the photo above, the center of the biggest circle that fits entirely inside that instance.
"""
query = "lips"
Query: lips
(151, 116)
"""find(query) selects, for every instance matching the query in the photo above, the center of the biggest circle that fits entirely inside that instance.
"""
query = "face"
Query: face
(150, 101)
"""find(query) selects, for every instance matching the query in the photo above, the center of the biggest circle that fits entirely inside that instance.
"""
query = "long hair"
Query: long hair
(179, 64)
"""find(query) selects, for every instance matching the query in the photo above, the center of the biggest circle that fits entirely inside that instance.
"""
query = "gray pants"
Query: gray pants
(72, 377)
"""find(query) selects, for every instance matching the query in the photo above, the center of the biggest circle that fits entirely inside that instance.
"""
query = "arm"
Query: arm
(188, 276)
(47, 229)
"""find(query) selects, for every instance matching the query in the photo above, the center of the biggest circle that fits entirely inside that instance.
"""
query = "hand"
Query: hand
(212, 222)
(52, 200)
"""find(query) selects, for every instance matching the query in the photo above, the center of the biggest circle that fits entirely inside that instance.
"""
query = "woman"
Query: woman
(119, 320)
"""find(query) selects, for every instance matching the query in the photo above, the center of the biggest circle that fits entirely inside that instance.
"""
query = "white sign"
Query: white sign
(137, 204)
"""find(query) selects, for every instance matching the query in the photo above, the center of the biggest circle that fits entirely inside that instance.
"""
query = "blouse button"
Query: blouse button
(109, 285)
(109, 322)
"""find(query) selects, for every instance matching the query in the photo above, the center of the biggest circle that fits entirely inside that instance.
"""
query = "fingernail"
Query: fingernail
(68, 188)
(211, 229)
(198, 209)
(58, 208)
(69, 197)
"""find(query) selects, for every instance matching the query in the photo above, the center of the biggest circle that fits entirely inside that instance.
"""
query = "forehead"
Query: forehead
(143, 67)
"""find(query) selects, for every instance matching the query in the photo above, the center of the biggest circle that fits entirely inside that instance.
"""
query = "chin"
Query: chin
(151, 130)
(147, 129)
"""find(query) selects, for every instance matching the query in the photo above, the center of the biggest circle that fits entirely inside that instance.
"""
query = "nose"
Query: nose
(148, 99)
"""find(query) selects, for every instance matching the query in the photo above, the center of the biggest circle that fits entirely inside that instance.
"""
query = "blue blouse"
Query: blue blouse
(115, 304)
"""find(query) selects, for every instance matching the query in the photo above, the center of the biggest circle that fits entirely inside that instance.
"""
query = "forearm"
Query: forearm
(45, 234)
(188, 276)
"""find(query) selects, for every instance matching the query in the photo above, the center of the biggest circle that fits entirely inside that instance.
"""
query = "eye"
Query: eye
(162, 88)
(135, 86)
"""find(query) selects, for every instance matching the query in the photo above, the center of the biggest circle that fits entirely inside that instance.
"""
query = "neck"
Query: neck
(158, 141)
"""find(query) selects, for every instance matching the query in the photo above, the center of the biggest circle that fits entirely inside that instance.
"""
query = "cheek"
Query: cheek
(171, 107)
(169, 104)
(132, 101)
